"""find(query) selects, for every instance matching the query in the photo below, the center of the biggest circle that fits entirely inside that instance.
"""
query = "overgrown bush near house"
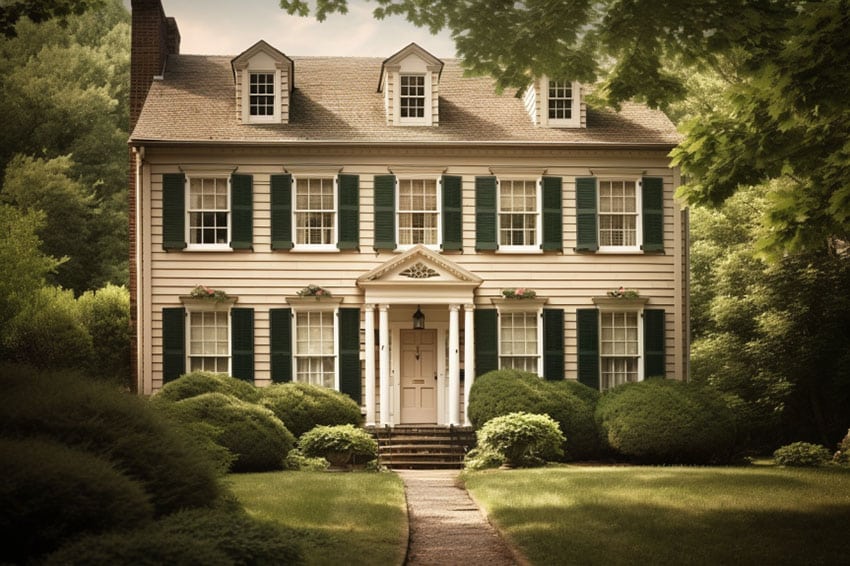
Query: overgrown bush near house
(339, 444)
(296, 461)
(482, 459)
(802, 455)
(200, 382)
(572, 405)
(253, 434)
(113, 425)
(522, 439)
(51, 493)
(842, 455)
(302, 406)
(105, 313)
(668, 422)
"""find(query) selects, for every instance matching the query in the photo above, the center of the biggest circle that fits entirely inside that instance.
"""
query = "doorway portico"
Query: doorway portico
(410, 377)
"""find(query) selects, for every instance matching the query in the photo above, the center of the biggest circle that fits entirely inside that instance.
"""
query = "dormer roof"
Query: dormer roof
(242, 60)
(394, 62)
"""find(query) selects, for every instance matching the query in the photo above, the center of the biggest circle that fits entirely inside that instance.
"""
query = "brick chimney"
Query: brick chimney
(154, 37)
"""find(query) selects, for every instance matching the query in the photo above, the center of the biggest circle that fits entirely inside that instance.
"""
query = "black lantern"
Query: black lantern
(418, 320)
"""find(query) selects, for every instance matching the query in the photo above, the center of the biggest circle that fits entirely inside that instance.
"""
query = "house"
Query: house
(391, 229)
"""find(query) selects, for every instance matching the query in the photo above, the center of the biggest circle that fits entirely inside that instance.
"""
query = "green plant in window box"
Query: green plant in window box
(623, 293)
(204, 292)
(313, 291)
(519, 293)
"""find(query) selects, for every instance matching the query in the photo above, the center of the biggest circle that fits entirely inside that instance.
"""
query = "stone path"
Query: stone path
(446, 527)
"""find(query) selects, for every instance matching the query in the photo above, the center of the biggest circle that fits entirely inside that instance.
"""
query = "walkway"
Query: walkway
(446, 527)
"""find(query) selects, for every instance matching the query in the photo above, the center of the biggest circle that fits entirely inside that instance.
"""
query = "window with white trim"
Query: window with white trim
(561, 103)
(519, 214)
(619, 347)
(618, 213)
(209, 341)
(519, 340)
(209, 212)
(412, 96)
(315, 348)
(315, 212)
(261, 94)
(418, 212)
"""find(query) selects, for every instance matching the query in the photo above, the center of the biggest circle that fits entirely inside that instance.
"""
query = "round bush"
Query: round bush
(200, 382)
(339, 444)
(571, 404)
(802, 455)
(253, 434)
(523, 439)
(51, 493)
(302, 406)
(118, 427)
(668, 422)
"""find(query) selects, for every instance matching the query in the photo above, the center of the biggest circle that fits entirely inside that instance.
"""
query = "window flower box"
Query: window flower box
(519, 293)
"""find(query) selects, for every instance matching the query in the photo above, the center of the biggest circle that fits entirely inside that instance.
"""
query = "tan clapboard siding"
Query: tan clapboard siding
(262, 278)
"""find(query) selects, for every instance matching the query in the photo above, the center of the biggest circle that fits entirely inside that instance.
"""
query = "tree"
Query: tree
(39, 11)
(785, 62)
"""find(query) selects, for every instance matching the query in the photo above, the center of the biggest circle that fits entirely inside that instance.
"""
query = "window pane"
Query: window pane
(617, 213)
(209, 341)
(560, 100)
(418, 216)
(518, 346)
(315, 213)
(208, 210)
(517, 212)
(261, 94)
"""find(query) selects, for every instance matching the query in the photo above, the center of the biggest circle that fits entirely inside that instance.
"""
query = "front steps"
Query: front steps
(423, 447)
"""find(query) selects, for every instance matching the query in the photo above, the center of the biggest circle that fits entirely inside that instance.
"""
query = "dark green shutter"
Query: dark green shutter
(349, 353)
(486, 214)
(173, 343)
(587, 322)
(384, 212)
(653, 343)
(486, 341)
(587, 239)
(281, 211)
(173, 211)
(452, 219)
(242, 343)
(553, 216)
(652, 198)
(553, 344)
(241, 211)
(280, 329)
(349, 212)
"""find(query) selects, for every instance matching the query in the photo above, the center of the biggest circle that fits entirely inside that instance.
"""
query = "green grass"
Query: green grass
(340, 518)
(644, 515)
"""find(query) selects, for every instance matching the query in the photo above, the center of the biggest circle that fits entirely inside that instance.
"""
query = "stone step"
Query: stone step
(423, 446)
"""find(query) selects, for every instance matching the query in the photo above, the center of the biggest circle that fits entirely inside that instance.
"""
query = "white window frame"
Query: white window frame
(637, 247)
(297, 310)
(614, 309)
(331, 247)
(575, 110)
(216, 247)
(538, 229)
(535, 311)
(427, 118)
(249, 118)
(439, 211)
(199, 309)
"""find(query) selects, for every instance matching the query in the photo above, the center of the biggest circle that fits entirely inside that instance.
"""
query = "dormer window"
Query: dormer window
(264, 82)
(560, 100)
(412, 97)
(261, 94)
(555, 103)
(410, 82)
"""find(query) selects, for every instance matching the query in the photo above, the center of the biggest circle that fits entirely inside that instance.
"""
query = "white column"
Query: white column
(468, 358)
(454, 366)
(384, 345)
(370, 365)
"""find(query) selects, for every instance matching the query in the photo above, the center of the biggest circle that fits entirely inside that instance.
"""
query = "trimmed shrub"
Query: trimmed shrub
(506, 391)
(802, 455)
(480, 459)
(339, 444)
(522, 439)
(105, 313)
(296, 461)
(51, 493)
(200, 382)
(117, 426)
(668, 422)
(253, 434)
(302, 406)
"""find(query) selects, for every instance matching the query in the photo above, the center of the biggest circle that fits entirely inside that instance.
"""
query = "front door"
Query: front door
(418, 376)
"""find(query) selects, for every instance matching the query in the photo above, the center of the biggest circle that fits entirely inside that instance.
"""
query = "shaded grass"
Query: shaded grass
(645, 515)
(340, 518)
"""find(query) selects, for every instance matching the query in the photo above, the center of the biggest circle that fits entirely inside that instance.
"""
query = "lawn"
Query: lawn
(341, 518)
(659, 516)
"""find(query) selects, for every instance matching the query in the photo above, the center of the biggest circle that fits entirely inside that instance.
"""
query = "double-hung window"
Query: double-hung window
(418, 212)
(208, 212)
(562, 103)
(315, 213)
(519, 215)
(619, 348)
(619, 203)
(412, 97)
(261, 94)
(519, 340)
(209, 341)
(315, 347)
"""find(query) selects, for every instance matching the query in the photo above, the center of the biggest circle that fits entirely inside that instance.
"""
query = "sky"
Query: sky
(228, 27)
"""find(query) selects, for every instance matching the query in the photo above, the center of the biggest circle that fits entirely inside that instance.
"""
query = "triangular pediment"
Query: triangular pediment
(412, 50)
(419, 266)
